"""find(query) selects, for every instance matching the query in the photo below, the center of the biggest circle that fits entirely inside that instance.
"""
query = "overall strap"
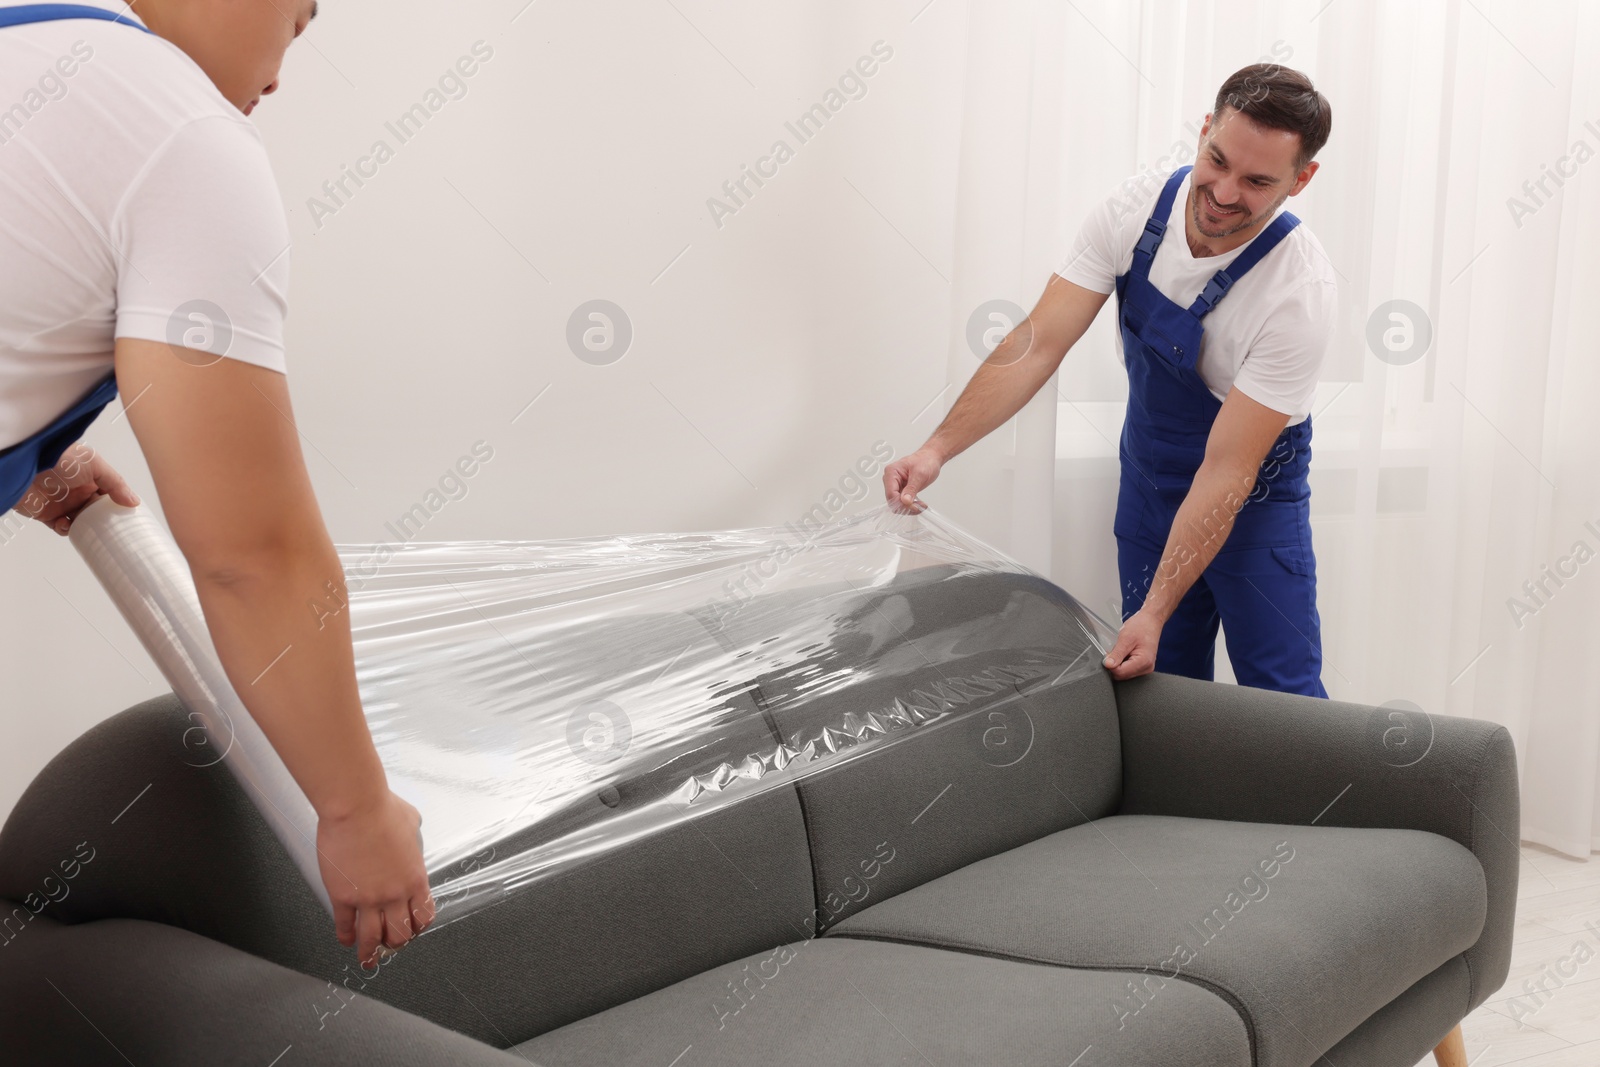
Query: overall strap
(1223, 280)
(1156, 225)
(29, 13)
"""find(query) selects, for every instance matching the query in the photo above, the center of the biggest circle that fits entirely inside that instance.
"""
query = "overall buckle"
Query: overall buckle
(1215, 289)
(1150, 240)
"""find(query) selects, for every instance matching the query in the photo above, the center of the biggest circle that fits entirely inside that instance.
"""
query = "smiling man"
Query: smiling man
(1226, 306)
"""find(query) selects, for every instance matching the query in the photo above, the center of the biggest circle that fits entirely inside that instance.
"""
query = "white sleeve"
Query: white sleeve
(202, 246)
(1094, 260)
(1284, 361)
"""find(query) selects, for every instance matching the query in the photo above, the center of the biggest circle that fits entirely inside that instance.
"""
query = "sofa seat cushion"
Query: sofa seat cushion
(1306, 930)
(846, 1001)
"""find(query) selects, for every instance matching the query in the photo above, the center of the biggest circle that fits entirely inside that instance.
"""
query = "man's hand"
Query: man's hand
(79, 478)
(371, 862)
(909, 475)
(1135, 651)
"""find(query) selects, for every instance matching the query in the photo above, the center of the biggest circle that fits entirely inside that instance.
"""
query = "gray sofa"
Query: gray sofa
(1161, 871)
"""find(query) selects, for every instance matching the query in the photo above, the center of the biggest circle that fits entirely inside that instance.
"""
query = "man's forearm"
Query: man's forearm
(284, 640)
(1203, 523)
(1007, 380)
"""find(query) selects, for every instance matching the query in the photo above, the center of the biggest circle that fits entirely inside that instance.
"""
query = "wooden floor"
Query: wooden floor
(1559, 1027)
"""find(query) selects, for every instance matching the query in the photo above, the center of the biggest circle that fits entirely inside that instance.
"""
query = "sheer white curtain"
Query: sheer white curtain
(1456, 492)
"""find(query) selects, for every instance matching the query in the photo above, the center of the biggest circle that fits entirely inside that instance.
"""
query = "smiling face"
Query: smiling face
(1242, 172)
(238, 43)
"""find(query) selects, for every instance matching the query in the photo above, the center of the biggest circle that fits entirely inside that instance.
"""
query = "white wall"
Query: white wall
(430, 308)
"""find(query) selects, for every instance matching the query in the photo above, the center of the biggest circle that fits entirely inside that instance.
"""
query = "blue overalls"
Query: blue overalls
(1262, 583)
(22, 462)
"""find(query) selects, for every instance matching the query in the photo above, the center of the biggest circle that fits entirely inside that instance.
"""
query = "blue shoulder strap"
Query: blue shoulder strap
(1223, 280)
(28, 13)
(1156, 225)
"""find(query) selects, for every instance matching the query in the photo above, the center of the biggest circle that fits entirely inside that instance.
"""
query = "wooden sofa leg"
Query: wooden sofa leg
(1452, 1051)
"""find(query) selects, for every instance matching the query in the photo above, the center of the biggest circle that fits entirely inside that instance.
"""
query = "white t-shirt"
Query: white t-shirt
(135, 201)
(1267, 335)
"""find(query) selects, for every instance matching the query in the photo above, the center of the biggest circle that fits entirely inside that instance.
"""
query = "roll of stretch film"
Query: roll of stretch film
(147, 578)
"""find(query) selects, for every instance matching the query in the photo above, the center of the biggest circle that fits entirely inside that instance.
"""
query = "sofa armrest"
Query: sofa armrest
(1211, 751)
(119, 990)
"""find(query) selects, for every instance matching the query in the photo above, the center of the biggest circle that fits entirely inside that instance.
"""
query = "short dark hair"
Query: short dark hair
(1280, 98)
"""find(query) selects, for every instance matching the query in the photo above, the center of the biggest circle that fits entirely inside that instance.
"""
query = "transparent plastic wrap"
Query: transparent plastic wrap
(544, 702)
